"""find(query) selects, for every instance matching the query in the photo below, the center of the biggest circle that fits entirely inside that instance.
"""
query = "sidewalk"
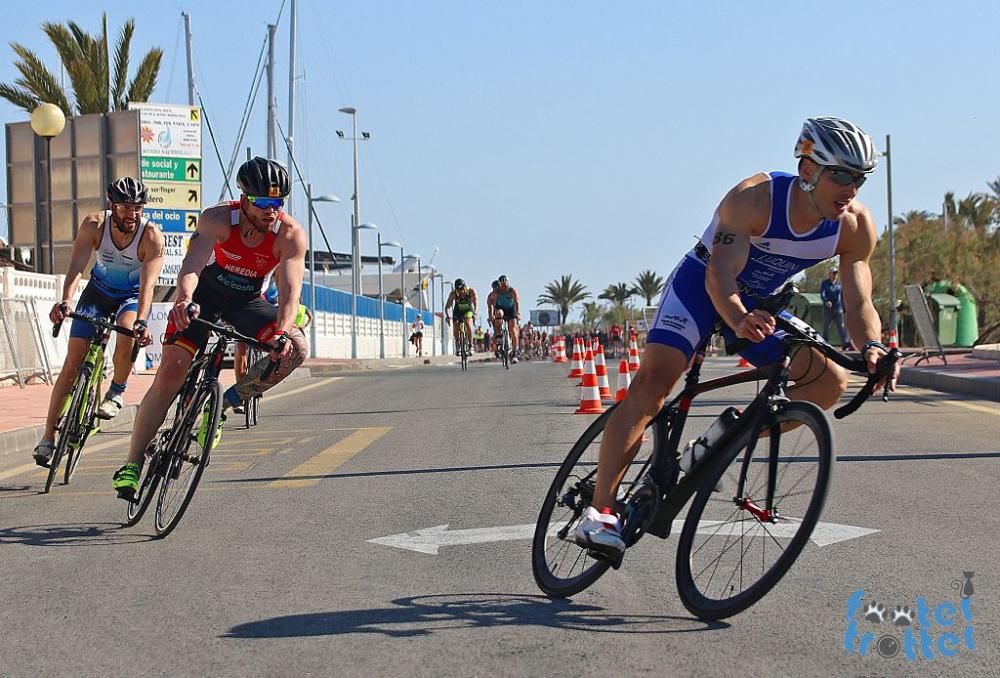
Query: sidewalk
(975, 373)
(22, 410)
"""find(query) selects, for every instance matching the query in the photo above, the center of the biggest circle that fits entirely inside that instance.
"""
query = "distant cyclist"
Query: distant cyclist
(466, 304)
(129, 257)
(507, 300)
(417, 334)
(235, 247)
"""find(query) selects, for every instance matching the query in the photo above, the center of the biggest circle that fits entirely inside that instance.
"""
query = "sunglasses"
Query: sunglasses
(266, 203)
(843, 177)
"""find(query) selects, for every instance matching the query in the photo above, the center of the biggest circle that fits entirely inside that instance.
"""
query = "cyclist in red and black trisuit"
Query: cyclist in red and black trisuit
(233, 250)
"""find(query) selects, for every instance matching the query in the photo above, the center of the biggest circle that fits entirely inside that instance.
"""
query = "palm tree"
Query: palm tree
(648, 285)
(592, 313)
(563, 293)
(97, 87)
(617, 293)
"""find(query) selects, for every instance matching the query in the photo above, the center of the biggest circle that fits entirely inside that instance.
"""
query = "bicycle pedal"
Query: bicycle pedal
(127, 493)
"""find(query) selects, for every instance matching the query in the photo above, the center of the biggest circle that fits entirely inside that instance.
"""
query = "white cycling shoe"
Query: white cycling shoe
(110, 406)
(600, 530)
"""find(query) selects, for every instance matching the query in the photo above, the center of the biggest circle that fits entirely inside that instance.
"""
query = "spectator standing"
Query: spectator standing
(833, 307)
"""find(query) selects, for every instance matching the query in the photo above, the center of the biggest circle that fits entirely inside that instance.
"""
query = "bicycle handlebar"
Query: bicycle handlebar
(801, 333)
(103, 324)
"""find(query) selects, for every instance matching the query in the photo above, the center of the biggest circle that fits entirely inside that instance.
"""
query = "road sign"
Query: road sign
(173, 221)
(175, 247)
(174, 194)
(159, 168)
(169, 130)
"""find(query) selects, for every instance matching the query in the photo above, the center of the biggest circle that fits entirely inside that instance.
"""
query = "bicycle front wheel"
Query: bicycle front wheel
(187, 455)
(561, 566)
(152, 473)
(735, 546)
(68, 429)
(84, 431)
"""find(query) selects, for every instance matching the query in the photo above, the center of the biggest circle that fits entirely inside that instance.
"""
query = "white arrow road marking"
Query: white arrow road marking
(431, 539)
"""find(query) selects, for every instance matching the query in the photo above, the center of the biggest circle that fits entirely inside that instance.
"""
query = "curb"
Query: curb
(24, 439)
(987, 388)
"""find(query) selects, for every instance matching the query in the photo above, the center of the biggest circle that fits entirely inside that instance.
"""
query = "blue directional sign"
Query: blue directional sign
(173, 221)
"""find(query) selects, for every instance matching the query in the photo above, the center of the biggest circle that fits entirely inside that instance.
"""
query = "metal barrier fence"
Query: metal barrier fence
(24, 354)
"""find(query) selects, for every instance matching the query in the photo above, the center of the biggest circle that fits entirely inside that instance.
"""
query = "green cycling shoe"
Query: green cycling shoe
(126, 480)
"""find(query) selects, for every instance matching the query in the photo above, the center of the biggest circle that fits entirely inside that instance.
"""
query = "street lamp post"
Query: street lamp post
(47, 121)
(312, 264)
(355, 223)
(381, 295)
(402, 291)
(434, 306)
(356, 282)
(893, 328)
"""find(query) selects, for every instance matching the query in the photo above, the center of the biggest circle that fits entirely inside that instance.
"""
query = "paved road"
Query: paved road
(272, 571)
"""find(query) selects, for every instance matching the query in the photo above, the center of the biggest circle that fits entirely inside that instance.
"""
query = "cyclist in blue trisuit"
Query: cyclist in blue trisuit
(767, 229)
(130, 252)
(505, 307)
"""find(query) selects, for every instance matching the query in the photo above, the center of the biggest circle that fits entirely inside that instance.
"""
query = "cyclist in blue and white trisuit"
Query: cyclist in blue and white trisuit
(129, 258)
(767, 229)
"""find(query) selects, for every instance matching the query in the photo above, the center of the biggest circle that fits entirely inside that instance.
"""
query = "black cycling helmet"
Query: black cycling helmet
(459, 284)
(128, 190)
(502, 280)
(264, 178)
(495, 284)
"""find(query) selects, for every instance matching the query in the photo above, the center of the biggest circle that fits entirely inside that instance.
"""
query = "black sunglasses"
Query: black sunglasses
(843, 177)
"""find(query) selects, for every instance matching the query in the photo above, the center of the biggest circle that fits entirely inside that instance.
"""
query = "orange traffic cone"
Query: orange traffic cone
(590, 395)
(602, 374)
(624, 380)
(560, 347)
(576, 367)
(893, 342)
(744, 362)
(594, 344)
(633, 356)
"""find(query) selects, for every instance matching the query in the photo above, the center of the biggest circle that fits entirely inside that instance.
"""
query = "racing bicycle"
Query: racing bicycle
(178, 455)
(78, 411)
(758, 489)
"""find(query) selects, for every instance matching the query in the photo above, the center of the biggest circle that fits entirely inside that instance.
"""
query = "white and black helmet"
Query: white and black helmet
(836, 142)
(127, 190)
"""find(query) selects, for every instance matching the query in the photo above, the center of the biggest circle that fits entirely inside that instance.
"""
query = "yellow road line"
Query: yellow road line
(308, 473)
(18, 470)
(300, 389)
(995, 411)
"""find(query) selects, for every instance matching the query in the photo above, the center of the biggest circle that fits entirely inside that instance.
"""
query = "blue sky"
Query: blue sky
(590, 138)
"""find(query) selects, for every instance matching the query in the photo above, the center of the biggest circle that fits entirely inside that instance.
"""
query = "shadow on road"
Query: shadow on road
(70, 535)
(424, 615)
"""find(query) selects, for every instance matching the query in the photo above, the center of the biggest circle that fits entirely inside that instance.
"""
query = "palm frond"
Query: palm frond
(20, 97)
(104, 63)
(144, 81)
(121, 65)
(39, 80)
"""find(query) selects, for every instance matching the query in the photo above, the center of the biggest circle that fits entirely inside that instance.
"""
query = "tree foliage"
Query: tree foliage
(563, 293)
(96, 85)
(648, 285)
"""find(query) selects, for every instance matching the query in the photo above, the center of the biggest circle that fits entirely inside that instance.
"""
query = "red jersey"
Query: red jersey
(235, 268)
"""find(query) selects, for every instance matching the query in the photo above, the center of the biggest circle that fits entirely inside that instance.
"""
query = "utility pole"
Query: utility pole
(190, 58)
(272, 108)
(893, 327)
(291, 97)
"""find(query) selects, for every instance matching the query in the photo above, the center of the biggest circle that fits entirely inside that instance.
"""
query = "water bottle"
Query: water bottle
(697, 448)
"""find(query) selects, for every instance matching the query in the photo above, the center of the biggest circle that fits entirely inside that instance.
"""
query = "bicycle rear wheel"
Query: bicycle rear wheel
(562, 567)
(251, 408)
(187, 455)
(152, 474)
(730, 555)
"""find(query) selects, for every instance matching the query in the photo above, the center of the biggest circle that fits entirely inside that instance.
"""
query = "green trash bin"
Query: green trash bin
(809, 307)
(944, 311)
